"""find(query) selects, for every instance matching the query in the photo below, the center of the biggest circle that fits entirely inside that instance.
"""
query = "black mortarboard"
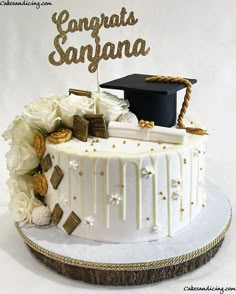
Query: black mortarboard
(150, 101)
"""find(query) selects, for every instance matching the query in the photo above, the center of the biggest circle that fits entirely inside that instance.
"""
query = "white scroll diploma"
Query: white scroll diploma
(155, 134)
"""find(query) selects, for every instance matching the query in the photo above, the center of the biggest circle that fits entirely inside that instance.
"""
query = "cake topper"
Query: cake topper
(154, 98)
(96, 52)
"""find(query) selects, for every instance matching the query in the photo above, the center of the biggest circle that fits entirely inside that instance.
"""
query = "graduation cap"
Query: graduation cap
(150, 101)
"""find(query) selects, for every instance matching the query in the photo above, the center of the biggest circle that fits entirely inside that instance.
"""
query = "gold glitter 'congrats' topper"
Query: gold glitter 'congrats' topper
(94, 53)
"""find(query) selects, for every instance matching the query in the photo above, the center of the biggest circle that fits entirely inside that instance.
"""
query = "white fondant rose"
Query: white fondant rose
(19, 132)
(75, 105)
(22, 205)
(18, 184)
(43, 113)
(21, 159)
(110, 105)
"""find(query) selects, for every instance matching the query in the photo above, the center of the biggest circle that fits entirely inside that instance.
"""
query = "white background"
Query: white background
(188, 38)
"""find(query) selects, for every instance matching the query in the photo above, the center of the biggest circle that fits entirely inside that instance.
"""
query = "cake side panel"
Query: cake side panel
(127, 199)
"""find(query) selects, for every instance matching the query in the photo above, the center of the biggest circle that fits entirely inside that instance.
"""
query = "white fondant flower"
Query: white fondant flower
(43, 113)
(110, 105)
(75, 105)
(176, 194)
(147, 172)
(175, 183)
(22, 205)
(114, 199)
(18, 184)
(156, 229)
(128, 117)
(64, 203)
(89, 221)
(41, 215)
(19, 132)
(21, 159)
(73, 164)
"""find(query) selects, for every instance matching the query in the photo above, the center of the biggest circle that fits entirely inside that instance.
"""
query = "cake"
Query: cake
(102, 175)
(112, 190)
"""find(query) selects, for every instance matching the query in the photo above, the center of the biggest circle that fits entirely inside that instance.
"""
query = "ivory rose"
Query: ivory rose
(75, 105)
(19, 132)
(129, 117)
(21, 159)
(110, 105)
(22, 204)
(43, 113)
(18, 184)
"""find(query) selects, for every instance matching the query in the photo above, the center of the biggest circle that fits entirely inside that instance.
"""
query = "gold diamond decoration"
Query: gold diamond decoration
(56, 177)
(56, 214)
(97, 125)
(80, 92)
(46, 163)
(71, 223)
(80, 128)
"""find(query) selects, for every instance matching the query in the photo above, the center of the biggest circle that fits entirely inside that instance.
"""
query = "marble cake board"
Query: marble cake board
(134, 263)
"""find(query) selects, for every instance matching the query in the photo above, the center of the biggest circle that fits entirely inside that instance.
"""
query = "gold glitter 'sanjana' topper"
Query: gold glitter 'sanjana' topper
(94, 52)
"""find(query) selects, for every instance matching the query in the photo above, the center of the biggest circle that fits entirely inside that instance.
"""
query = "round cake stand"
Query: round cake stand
(134, 263)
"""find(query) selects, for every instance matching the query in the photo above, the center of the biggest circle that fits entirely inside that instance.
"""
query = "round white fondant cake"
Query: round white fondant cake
(103, 175)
